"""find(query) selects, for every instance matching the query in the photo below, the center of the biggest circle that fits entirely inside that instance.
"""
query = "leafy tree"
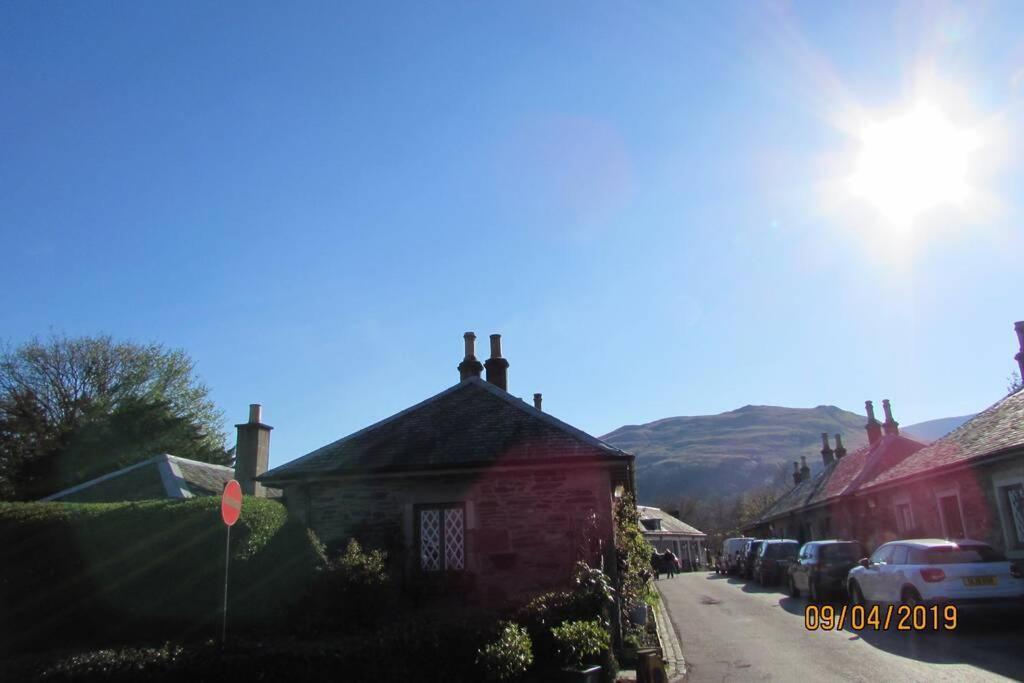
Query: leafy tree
(73, 409)
(1014, 383)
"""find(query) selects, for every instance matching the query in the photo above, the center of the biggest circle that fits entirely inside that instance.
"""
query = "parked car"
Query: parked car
(821, 568)
(935, 571)
(732, 549)
(773, 560)
(749, 555)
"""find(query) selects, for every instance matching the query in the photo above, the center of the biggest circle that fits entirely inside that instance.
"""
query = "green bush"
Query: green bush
(351, 592)
(507, 658)
(580, 642)
(591, 599)
(121, 572)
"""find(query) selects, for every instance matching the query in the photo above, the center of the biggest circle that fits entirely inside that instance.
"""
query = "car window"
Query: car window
(963, 554)
(899, 555)
(842, 551)
(881, 556)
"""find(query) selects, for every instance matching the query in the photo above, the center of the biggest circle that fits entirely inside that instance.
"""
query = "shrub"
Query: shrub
(580, 641)
(118, 572)
(351, 592)
(508, 657)
(591, 599)
(634, 555)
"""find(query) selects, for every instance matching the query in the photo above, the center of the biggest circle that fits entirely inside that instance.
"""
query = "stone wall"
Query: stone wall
(525, 528)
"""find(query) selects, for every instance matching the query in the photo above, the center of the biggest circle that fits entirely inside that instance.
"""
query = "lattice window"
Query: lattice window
(453, 539)
(442, 538)
(430, 540)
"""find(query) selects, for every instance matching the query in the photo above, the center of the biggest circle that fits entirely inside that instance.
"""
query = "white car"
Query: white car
(936, 571)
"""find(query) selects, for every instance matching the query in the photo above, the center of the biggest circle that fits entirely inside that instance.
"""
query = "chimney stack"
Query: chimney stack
(470, 366)
(1019, 327)
(537, 398)
(826, 450)
(796, 472)
(892, 427)
(805, 471)
(497, 367)
(873, 426)
(840, 449)
(252, 451)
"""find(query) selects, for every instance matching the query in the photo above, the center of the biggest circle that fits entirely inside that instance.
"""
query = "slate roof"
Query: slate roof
(669, 524)
(471, 423)
(997, 429)
(162, 476)
(845, 476)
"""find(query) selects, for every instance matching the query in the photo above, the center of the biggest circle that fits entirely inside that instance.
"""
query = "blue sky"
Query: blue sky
(317, 200)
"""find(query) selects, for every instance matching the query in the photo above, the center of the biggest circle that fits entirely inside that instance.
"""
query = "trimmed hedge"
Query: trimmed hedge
(86, 574)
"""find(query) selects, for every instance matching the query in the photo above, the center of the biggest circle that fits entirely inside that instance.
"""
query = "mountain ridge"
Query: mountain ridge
(729, 453)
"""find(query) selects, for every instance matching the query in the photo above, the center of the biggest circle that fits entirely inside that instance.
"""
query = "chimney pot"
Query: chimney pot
(796, 472)
(255, 413)
(826, 450)
(873, 427)
(840, 449)
(470, 366)
(537, 398)
(1019, 328)
(891, 426)
(497, 367)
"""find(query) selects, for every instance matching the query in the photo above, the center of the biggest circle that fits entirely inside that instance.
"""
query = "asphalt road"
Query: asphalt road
(733, 630)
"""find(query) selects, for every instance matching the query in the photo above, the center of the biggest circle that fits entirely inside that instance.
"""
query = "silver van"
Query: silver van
(732, 551)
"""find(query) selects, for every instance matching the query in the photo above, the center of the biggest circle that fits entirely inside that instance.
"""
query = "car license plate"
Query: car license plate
(979, 581)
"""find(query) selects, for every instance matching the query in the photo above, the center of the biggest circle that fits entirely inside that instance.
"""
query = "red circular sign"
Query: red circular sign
(231, 502)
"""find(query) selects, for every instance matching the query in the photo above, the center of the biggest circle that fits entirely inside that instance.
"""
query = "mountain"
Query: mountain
(934, 429)
(722, 455)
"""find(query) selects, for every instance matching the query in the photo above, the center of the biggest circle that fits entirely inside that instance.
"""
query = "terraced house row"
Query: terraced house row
(967, 484)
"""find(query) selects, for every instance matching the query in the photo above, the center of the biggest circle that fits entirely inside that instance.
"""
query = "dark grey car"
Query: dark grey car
(821, 568)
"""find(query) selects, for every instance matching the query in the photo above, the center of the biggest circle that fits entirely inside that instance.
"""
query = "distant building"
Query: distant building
(473, 491)
(665, 531)
(967, 484)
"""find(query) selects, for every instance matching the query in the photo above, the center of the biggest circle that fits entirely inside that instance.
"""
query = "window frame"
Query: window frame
(441, 507)
(953, 492)
(1000, 485)
(898, 502)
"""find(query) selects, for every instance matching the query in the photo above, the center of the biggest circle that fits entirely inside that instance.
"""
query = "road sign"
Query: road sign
(231, 503)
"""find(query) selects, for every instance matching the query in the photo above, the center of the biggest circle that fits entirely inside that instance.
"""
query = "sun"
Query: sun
(911, 163)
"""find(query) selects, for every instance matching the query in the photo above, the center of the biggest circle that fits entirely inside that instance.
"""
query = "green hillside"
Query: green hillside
(723, 455)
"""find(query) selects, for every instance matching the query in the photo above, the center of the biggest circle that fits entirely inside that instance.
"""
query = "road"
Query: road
(733, 630)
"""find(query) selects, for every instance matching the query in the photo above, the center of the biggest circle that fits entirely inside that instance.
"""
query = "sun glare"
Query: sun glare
(911, 163)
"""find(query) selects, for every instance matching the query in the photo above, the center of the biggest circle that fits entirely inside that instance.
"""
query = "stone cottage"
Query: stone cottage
(473, 489)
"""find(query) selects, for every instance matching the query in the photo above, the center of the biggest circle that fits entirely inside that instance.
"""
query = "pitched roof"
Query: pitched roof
(162, 476)
(845, 475)
(473, 422)
(997, 429)
(669, 524)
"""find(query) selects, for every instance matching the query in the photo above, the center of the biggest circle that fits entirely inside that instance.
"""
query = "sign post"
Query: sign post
(230, 509)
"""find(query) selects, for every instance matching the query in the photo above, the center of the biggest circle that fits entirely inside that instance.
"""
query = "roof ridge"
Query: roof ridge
(546, 417)
(378, 423)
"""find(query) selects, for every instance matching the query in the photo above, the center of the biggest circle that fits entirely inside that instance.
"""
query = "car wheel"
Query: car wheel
(911, 597)
(856, 595)
(813, 591)
(794, 592)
